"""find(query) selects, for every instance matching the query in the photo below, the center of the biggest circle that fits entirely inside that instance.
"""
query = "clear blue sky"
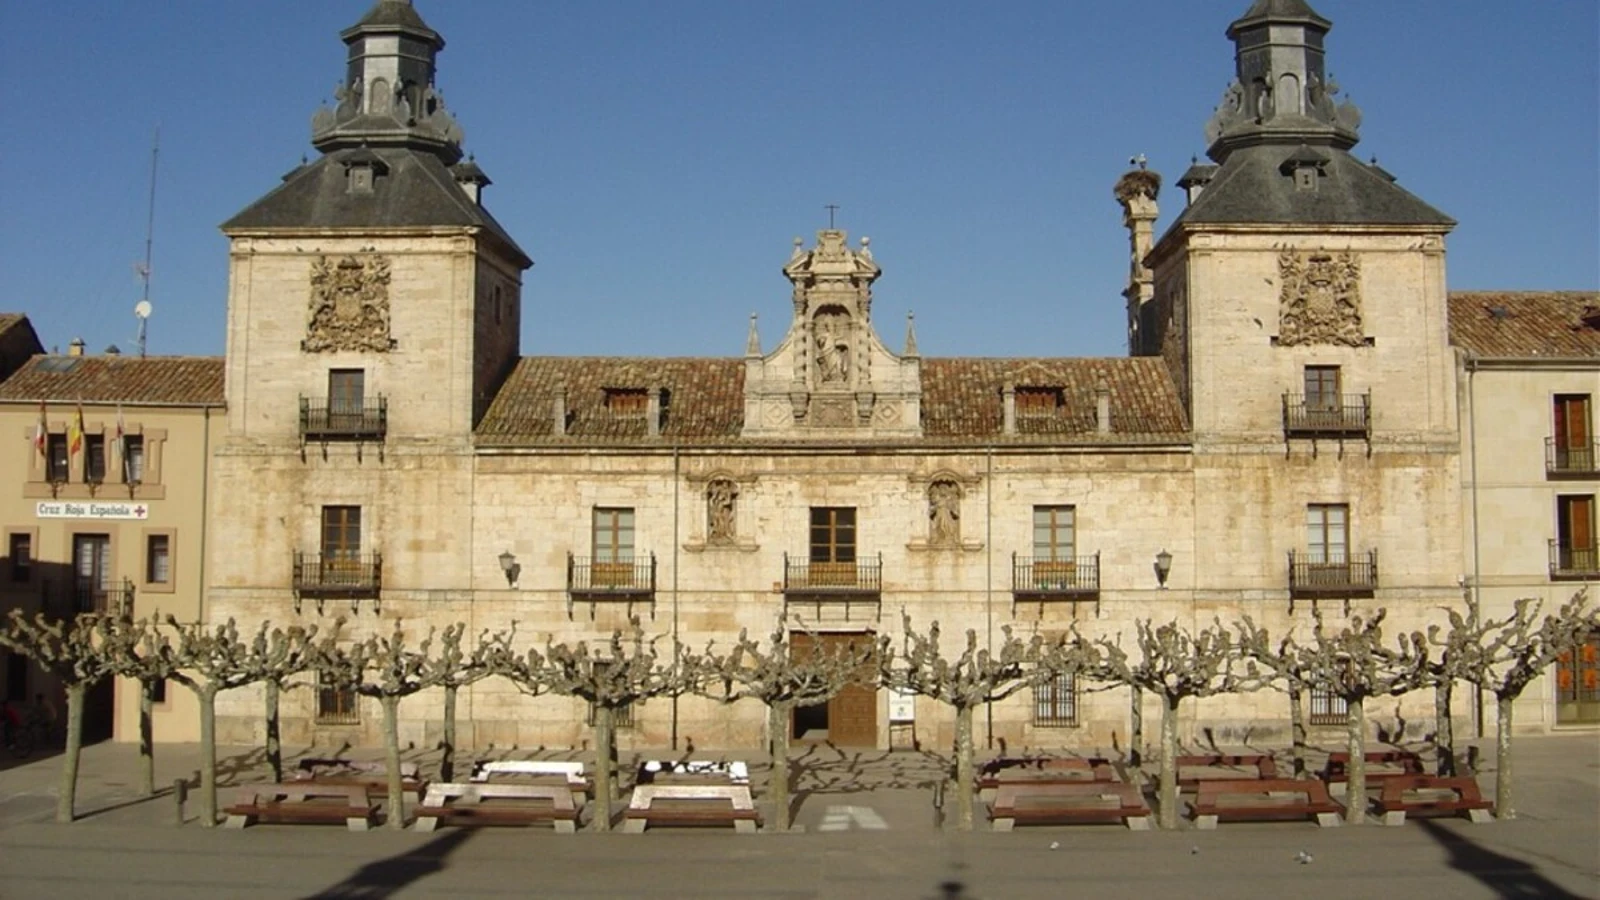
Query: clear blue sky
(657, 158)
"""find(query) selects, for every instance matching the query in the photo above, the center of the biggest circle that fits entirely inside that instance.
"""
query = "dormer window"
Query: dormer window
(1305, 178)
(627, 401)
(1038, 401)
(362, 169)
(360, 179)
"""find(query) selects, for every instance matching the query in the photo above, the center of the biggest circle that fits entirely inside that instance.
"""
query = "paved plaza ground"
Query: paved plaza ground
(870, 832)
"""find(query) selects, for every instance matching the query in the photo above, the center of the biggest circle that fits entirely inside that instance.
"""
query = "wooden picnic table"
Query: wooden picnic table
(1195, 769)
(691, 805)
(313, 766)
(301, 802)
(1258, 799)
(536, 771)
(1042, 770)
(1068, 803)
(708, 770)
(478, 803)
(1381, 765)
(1432, 795)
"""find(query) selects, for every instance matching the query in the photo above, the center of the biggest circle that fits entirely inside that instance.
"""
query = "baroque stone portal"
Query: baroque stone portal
(1321, 299)
(349, 305)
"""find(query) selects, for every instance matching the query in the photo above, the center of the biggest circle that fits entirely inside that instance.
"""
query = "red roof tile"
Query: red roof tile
(166, 380)
(1526, 324)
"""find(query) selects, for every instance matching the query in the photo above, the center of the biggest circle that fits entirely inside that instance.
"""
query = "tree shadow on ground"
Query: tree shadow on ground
(387, 876)
(1506, 876)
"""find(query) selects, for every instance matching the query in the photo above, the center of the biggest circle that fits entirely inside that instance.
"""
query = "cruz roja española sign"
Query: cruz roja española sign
(56, 509)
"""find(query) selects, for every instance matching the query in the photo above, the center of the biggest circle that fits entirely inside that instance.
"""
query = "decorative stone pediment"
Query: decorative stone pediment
(832, 377)
(349, 307)
(1321, 299)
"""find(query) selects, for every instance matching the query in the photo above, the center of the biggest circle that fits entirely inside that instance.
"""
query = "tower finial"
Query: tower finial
(911, 334)
(752, 344)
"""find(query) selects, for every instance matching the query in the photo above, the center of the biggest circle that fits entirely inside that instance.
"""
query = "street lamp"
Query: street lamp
(1163, 568)
(508, 564)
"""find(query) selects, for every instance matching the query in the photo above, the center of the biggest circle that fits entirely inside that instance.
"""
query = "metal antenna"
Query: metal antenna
(142, 309)
(831, 208)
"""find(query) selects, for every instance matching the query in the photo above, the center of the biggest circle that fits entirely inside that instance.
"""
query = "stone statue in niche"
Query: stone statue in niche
(722, 495)
(944, 513)
(831, 332)
(349, 305)
(1321, 299)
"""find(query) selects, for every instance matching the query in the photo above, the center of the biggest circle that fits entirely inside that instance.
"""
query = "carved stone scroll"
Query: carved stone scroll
(349, 305)
(1321, 299)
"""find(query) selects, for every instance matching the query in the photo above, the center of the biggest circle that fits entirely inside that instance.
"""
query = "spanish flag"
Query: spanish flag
(75, 433)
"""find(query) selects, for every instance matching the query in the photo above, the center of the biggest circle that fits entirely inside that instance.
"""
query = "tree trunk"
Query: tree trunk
(1297, 730)
(603, 739)
(1168, 791)
(395, 815)
(1444, 741)
(1503, 806)
(68, 793)
(274, 744)
(1355, 797)
(964, 783)
(1136, 737)
(207, 695)
(778, 784)
(447, 746)
(147, 737)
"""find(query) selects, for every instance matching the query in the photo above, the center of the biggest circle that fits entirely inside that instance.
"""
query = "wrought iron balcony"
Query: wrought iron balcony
(863, 575)
(91, 597)
(324, 421)
(1036, 578)
(338, 574)
(1354, 577)
(631, 578)
(1568, 460)
(1574, 563)
(1335, 416)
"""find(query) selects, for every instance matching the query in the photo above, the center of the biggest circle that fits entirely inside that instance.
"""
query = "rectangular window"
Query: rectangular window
(1055, 702)
(1322, 389)
(347, 390)
(336, 705)
(341, 533)
(1054, 533)
(1574, 439)
(158, 559)
(833, 534)
(1575, 532)
(1578, 684)
(133, 459)
(94, 458)
(628, 401)
(56, 464)
(613, 534)
(20, 550)
(1328, 533)
(1038, 401)
(1326, 709)
(158, 691)
(621, 716)
(91, 560)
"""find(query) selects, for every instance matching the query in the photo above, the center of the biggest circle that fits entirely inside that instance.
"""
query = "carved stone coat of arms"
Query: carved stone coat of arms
(349, 305)
(1321, 299)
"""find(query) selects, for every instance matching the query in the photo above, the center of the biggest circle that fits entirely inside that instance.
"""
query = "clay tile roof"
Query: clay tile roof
(1526, 324)
(961, 401)
(166, 380)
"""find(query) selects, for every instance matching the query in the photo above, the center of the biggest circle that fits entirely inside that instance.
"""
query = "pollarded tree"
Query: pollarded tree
(626, 670)
(975, 677)
(1175, 665)
(1354, 665)
(454, 667)
(784, 675)
(1281, 661)
(280, 664)
(80, 652)
(209, 661)
(142, 663)
(1506, 655)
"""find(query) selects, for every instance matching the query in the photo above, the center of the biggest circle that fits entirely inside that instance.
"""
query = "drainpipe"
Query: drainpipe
(988, 576)
(1477, 570)
(675, 645)
(205, 512)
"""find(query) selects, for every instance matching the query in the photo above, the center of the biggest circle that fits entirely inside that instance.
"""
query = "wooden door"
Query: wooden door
(851, 717)
(1574, 450)
(1578, 684)
(1575, 532)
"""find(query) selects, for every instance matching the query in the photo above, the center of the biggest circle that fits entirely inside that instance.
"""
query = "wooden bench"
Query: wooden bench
(1224, 767)
(1064, 803)
(1382, 765)
(498, 804)
(691, 805)
(1256, 799)
(302, 802)
(1066, 770)
(1432, 795)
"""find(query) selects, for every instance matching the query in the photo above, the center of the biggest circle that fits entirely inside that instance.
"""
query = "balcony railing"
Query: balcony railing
(1574, 563)
(632, 577)
(90, 597)
(1568, 459)
(1335, 416)
(323, 421)
(1354, 577)
(1044, 579)
(863, 575)
(338, 574)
